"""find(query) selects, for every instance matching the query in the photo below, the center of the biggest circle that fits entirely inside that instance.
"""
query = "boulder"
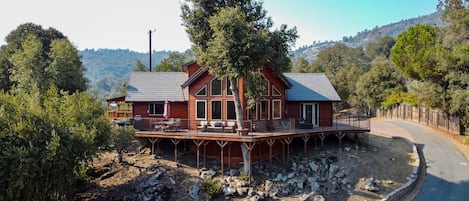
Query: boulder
(208, 174)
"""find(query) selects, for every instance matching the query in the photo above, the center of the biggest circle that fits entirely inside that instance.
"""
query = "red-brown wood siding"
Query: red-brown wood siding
(325, 111)
(325, 114)
(177, 110)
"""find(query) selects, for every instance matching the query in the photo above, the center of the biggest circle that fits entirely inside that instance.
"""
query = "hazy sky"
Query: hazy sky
(124, 24)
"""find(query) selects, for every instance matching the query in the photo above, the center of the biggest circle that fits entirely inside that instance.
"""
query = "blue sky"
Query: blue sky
(125, 24)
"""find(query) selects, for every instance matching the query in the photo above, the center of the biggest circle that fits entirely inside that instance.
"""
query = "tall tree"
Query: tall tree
(65, 69)
(44, 56)
(46, 138)
(174, 62)
(343, 66)
(234, 39)
(382, 47)
(456, 59)
(415, 53)
(374, 86)
(139, 67)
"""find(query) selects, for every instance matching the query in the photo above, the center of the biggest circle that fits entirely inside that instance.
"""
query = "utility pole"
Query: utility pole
(150, 51)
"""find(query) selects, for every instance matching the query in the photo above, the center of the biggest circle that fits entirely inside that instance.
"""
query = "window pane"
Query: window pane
(275, 91)
(202, 92)
(156, 108)
(216, 87)
(264, 110)
(159, 108)
(228, 85)
(253, 113)
(200, 110)
(216, 109)
(277, 109)
(230, 110)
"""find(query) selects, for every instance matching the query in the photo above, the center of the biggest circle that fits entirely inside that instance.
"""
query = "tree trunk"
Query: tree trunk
(239, 120)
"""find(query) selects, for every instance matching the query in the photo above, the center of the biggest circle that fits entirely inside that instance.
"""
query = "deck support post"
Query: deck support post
(305, 142)
(283, 152)
(322, 136)
(222, 145)
(205, 151)
(288, 141)
(340, 135)
(198, 143)
(154, 140)
(270, 142)
(175, 142)
(229, 155)
(249, 146)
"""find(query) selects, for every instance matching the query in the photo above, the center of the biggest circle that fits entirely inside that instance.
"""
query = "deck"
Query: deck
(285, 136)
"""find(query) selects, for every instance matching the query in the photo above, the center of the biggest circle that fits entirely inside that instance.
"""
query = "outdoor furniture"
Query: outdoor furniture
(202, 126)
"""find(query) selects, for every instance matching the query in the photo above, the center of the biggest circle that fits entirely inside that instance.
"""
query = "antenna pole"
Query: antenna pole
(149, 52)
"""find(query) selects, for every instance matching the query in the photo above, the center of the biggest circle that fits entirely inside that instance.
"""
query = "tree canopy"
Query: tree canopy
(45, 139)
(234, 39)
(41, 57)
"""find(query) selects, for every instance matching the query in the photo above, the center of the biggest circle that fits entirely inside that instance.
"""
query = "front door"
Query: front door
(310, 114)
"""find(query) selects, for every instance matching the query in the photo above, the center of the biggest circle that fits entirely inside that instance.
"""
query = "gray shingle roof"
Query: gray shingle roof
(156, 86)
(310, 87)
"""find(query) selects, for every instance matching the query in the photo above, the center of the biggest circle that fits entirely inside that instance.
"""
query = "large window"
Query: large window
(215, 87)
(202, 91)
(252, 113)
(230, 110)
(228, 87)
(156, 108)
(200, 109)
(275, 91)
(216, 110)
(277, 109)
(264, 109)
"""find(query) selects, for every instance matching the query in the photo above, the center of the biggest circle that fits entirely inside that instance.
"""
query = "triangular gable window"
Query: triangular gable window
(275, 91)
(202, 91)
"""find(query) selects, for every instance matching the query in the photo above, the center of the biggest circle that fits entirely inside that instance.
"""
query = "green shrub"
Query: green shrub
(213, 187)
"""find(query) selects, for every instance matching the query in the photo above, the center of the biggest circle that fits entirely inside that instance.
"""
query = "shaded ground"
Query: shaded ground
(389, 161)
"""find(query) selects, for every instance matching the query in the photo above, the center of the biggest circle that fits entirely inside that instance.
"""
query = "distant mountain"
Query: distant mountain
(108, 69)
(364, 37)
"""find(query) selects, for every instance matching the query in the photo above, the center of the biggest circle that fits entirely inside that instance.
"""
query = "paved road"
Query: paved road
(447, 175)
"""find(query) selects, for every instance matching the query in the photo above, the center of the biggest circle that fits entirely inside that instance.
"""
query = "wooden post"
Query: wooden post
(198, 143)
(340, 135)
(305, 142)
(249, 147)
(222, 145)
(288, 140)
(205, 151)
(270, 142)
(229, 155)
(322, 136)
(175, 142)
(153, 141)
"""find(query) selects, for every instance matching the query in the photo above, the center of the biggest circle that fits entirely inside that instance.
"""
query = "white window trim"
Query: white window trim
(205, 102)
(257, 106)
(273, 108)
(204, 87)
(268, 109)
(227, 88)
(221, 87)
(226, 109)
(275, 89)
(221, 109)
(148, 111)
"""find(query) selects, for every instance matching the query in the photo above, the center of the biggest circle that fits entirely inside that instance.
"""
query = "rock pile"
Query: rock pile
(310, 178)
(150, 190)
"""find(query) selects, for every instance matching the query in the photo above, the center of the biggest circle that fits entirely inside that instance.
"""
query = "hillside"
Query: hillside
(108, 69)
(364, 37)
